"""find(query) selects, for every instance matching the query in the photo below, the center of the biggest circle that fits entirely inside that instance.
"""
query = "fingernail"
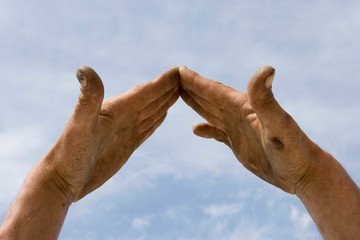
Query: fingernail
(82, 79)
(269, 80)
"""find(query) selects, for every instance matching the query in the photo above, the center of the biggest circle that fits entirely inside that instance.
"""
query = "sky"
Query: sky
(176, 185)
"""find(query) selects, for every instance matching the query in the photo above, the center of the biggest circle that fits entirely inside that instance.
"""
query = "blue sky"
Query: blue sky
(178, 186)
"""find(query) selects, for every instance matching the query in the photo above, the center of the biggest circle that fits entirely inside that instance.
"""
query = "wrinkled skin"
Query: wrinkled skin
(96, 142)
(101, 136)
(263, 137)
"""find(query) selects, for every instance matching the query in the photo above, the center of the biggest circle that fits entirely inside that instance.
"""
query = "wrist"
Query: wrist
(332, 199)
(316, 175)
(54, 183)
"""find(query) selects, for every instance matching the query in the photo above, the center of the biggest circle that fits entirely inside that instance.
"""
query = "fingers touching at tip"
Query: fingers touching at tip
(143, 108)
(146, 104)
(151, 91)
(152, 100)
(146, 99)
(209, 98)
(211, 90)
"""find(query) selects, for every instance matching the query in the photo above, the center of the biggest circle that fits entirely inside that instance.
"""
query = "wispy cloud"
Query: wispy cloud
(302, 224)
(192, 188)
(139, 223)
(20, 149)
(220, 210)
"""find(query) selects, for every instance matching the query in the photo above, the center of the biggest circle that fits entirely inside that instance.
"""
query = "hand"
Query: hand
(100, 136)
(263, 137)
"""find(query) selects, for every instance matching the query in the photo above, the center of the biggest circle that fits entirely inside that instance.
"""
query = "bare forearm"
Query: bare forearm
(38, 211)
(333, 201)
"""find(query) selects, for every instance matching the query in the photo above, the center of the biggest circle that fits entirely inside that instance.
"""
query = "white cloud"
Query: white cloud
(139, 223)
(20, 149)
(314, 52)
(244, 229)
(248, 231)
(302, 223)
(220, 210)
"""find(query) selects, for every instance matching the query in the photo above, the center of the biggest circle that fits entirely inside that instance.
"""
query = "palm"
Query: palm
(101, 136)
(270, 147)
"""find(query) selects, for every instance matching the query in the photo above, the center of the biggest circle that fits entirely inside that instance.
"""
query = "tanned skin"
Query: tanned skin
(269, 143)
(96, 142)
(101, 136)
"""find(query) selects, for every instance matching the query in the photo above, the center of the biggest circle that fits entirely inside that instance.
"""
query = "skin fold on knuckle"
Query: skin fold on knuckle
(277, 144)
(266, 99)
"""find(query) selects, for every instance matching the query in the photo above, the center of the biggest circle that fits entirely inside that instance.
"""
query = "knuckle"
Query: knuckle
(267, 98)
(276, 143)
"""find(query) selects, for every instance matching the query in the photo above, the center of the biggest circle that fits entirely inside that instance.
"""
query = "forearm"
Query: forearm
(333, 200)
(39, 210)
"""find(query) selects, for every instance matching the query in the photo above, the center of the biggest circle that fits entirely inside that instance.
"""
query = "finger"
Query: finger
(148, 132)
(213, 119)
(215, 109)
(148, 122)
(91, 95)
(164, 102)
(213, 91)
(207, 130)
(144, 94)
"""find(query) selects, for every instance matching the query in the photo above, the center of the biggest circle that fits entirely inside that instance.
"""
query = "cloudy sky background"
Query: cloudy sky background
(176, 185)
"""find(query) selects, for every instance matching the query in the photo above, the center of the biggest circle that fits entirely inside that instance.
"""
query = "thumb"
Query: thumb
(206, 130)
(278, 126)
(91, 95)
(262, 99)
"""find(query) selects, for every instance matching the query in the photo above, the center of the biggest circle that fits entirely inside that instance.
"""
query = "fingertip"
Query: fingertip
(87, 75)
(187, 77)
(174, 68)
(197, 129)
(92, 89)
(262, 78)
(182, 70)
(183, 67)
(86, 69)
(204, 130)
(269, 79)
(81, 78)
(259, 87)
(84, 72)
(171, 75)
(186, 72)
(174, 73)
(267, 70)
